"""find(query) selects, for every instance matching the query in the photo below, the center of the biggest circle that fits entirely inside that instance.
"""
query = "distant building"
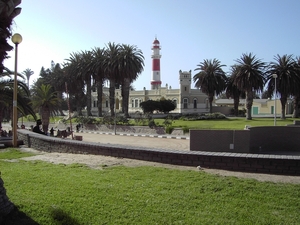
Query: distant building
(260, 107)
(187, 100)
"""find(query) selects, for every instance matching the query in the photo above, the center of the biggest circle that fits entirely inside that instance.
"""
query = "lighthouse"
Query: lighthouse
(155, 81)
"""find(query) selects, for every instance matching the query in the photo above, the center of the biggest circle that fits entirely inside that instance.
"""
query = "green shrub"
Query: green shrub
(151, 123)
(169, 129)
(185, 130)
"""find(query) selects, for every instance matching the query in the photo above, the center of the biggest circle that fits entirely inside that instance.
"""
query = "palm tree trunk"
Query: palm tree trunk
(236, 102)
(112, 87)
(296, 106)
(88, 96)
(45, 119)
(283, 101)
(99, 97)
(60, 96)
(125, 96)
(210, 100)
(249, 103)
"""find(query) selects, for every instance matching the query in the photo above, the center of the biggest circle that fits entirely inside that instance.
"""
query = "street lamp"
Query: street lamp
(16, 39)
(275, 76)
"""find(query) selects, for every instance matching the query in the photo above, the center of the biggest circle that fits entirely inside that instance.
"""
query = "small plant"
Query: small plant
(151, 124)
(169, 129)
(185, 130)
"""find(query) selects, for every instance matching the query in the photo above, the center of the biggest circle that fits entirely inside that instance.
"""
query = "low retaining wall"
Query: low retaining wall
(271, 164)
(268, 139)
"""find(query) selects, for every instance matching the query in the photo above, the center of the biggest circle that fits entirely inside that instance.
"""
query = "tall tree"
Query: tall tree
(112, 70)
(211, 79)
(86, 71)
(8, 11)
(46, 102)
(233, 92)
(28, 73)
(131, 65)
(98, 74)
(250, 78)
(6, 97)
(297, 90)
(75, 82)
(287, 81)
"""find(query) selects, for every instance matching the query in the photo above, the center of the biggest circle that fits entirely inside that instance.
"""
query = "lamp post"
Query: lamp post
(275, 77)
(16, 39)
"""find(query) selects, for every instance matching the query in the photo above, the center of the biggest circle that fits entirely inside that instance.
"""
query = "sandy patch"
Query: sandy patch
(98, 162)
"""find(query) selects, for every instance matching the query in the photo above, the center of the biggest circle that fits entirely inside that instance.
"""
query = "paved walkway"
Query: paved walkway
(141, 140)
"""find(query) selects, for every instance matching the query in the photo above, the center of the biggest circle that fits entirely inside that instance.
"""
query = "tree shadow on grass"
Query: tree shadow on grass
(16, 217)
(60, 217)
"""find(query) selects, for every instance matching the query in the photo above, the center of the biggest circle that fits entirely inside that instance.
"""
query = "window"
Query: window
(95, 104)
(195, 103)
(185, 103)
(106, 103)
(136, 103)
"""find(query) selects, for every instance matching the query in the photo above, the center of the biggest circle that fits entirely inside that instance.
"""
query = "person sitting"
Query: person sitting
(37, 129)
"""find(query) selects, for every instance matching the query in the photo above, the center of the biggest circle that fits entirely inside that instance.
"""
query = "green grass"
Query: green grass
(75, 194)
(229, 123)
(12, 153)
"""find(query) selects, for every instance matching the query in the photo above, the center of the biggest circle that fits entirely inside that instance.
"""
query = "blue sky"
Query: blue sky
(189, 31)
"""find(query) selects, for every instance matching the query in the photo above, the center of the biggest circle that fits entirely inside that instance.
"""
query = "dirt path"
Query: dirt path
(98, 162)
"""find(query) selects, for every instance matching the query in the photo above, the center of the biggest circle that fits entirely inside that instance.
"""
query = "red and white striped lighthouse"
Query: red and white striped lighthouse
(155, 81)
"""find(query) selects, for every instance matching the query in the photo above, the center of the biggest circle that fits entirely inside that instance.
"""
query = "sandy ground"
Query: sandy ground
(99, 162)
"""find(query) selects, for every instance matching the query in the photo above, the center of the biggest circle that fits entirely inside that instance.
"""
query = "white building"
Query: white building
(187, 100)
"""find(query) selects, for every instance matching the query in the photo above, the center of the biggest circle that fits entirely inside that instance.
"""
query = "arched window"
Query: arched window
(185, 103)
(106, 103)
(195, 103)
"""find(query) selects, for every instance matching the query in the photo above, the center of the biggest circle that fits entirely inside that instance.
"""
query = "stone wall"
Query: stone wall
(271, 164)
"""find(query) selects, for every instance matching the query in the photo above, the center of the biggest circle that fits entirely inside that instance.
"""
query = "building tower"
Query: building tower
(155, 81)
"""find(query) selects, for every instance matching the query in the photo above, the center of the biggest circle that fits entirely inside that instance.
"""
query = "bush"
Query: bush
(151, 124)
(169, 129)
(185, 130)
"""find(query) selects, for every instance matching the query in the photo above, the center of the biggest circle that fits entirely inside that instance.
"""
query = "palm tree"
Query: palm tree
(297, 90)
(86, 72)
(8, 11)
(249, 78)
(287, 81)
(131, 65)
(28, 73)
(75, 81)
(46, 102)
(98, 74)
(6, 97)
(111, 67)
(233, 92)
(211, 79)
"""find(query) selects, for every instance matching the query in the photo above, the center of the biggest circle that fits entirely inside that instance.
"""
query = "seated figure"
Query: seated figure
(37, 129)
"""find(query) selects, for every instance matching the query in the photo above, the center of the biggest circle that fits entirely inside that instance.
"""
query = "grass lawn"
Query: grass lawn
(75, 194)
(229, 123)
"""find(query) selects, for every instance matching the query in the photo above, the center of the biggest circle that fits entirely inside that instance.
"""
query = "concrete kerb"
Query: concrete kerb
(135, 134)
